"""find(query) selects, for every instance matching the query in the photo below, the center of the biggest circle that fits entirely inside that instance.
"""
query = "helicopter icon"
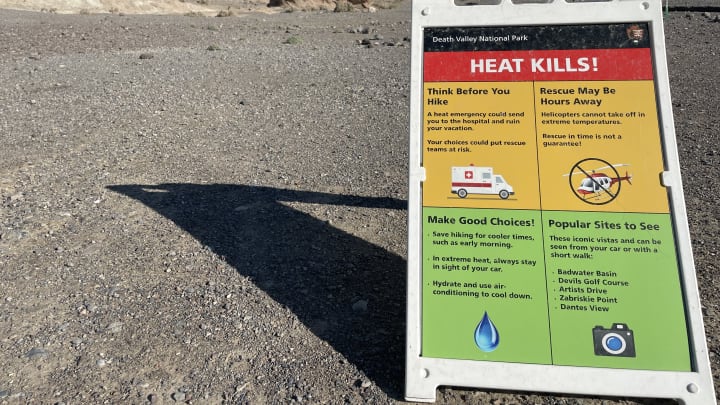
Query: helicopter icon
(596, 186)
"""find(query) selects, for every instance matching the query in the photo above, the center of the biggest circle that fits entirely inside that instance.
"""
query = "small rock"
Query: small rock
(360, 306)
(115, 327)
(101, 363)
(146, 56)
(13, 234)
(178, 396)
(36, 353)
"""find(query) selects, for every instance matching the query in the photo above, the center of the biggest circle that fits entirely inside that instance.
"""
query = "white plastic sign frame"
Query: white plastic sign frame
(425, 373)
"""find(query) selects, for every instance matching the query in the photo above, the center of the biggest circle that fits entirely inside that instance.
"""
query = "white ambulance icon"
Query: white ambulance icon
(479, 180)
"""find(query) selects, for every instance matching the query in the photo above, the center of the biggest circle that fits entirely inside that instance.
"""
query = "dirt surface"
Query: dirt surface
(207, 210)
(183, 7)
(196, 7)
(238, 7)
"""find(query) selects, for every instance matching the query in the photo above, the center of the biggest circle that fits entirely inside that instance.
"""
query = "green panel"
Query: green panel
(477, 261)
(613, 268)
(611, 277)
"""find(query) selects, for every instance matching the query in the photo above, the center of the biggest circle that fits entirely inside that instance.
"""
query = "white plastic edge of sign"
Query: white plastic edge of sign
(425, 375)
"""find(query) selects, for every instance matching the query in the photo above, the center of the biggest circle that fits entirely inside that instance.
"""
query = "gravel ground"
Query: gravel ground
(208, 210)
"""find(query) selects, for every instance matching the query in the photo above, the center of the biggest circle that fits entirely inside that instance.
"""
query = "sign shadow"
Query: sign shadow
(324, 275)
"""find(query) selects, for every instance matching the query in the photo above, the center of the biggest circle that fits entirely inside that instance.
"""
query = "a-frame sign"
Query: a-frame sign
(548, 241)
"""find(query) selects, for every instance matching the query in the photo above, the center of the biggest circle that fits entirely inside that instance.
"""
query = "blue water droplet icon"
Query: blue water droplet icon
(487, 337)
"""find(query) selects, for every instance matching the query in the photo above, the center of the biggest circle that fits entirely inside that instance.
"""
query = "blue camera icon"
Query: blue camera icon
(618, 341)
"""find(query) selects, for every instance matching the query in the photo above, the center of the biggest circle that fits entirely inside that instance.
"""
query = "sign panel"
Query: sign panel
(547, 228)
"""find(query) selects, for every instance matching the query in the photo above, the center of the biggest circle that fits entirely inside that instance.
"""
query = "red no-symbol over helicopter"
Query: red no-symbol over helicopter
(596, 184)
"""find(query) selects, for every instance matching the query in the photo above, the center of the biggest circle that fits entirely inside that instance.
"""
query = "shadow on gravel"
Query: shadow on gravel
(314, 269)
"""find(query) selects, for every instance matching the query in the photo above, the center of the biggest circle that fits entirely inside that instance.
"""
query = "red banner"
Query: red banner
(538, 65)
